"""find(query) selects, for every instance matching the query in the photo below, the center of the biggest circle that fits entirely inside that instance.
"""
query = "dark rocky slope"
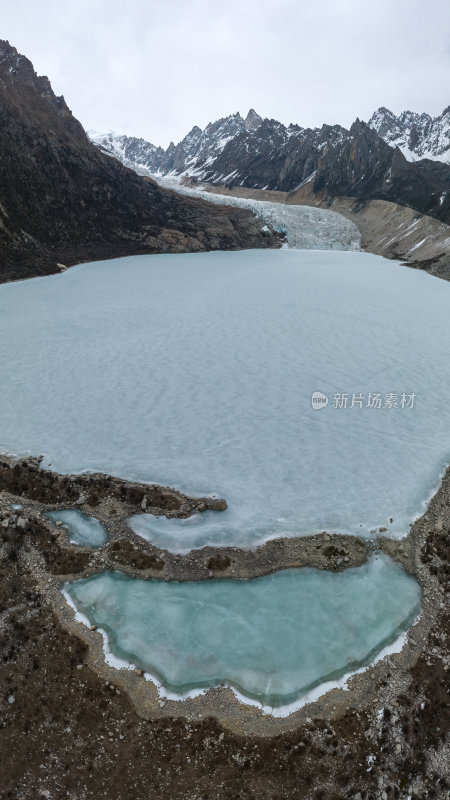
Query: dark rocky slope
(64, 201)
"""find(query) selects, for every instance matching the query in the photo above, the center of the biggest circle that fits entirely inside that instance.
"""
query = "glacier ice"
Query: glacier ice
(272, 638)
(197, 371)
(83, 529)
(305, 227)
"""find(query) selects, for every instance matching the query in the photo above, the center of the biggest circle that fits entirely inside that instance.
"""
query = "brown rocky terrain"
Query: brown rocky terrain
(62, 201)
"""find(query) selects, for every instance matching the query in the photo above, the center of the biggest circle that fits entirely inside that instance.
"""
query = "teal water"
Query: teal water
(83, 530)
(272, 638)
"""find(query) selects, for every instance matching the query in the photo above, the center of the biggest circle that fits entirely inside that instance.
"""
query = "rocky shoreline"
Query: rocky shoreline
(380, 715)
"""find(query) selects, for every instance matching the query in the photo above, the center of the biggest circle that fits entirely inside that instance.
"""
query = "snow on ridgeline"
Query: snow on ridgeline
(132, 152)
(417, 135)
(306, 227)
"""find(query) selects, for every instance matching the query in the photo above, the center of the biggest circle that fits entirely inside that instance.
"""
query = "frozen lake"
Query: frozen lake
(197, 371)
(272, 638)
(83, 530)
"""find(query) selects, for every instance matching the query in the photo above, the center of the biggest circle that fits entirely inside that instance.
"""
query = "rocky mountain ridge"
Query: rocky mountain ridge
(196, 146)
(258, 153)
(63, 201)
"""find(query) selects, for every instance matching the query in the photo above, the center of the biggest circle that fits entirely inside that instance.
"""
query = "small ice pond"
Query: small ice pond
(83, 530)
(197, 371)
(272, 638)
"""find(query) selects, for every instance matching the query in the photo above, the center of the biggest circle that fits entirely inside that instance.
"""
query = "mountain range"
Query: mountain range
(383, 159)
(63, 201)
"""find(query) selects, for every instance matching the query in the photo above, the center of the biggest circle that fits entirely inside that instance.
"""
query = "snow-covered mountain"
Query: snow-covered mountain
(197, 147)
(203, 155)
(417, 135)
(201, 152)
(258, 153)
(134, 153)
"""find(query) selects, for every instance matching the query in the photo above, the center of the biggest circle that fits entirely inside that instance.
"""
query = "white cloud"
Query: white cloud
(155, 70)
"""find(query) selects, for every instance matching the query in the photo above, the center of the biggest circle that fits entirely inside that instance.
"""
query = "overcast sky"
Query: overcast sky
(155, 68)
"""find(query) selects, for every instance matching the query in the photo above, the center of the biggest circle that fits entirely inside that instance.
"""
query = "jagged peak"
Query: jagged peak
(194, 133)
(360, 128)
(7, 49)
(383, 111)
(252, 120)
(224, 121)
(19, 64)
(383, 116)
(409, 118)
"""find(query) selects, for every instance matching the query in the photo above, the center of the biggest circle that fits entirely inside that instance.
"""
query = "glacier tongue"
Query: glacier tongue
(306, 227)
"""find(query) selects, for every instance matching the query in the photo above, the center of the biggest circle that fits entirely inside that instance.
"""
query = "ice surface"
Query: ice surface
(272, 638)
(197, 371)
(83, 530)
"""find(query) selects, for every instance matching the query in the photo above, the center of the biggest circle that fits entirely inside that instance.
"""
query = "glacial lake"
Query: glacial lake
(272, 638)
(197, 371)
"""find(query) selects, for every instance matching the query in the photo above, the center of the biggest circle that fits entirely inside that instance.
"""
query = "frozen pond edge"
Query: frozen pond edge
(393, 643)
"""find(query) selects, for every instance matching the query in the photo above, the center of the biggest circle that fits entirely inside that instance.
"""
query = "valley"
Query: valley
(224, 481)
